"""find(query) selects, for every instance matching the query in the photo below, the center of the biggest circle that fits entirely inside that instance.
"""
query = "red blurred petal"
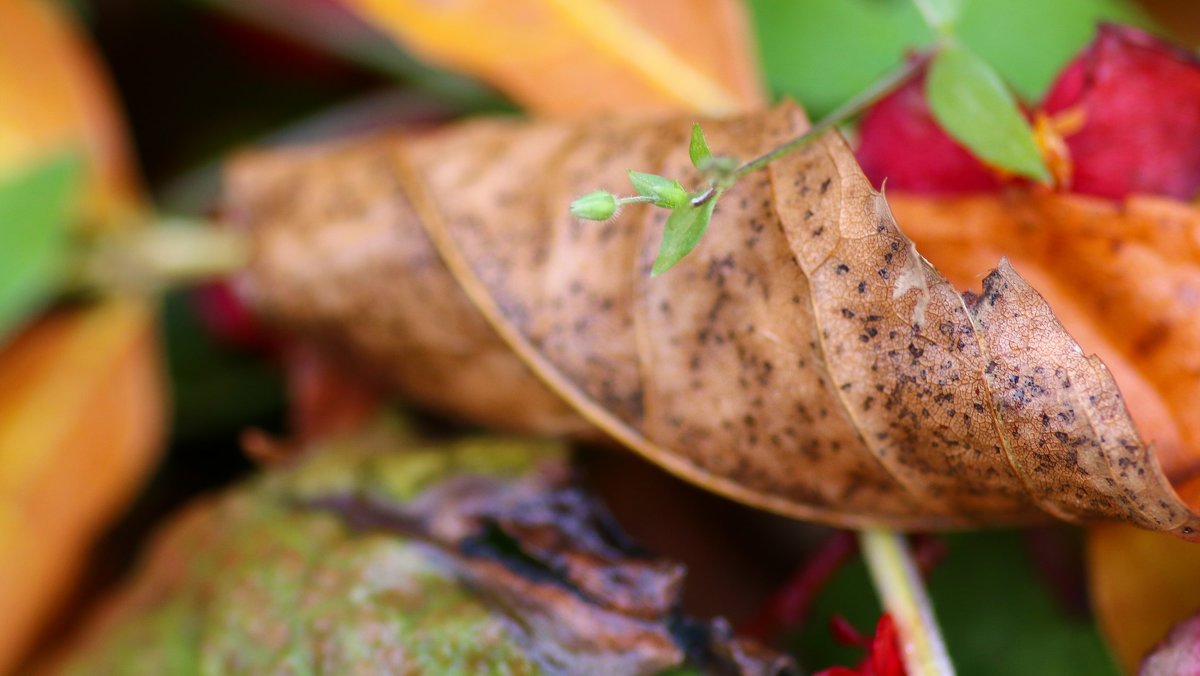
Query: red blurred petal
(901, 142)
(883, 655)
(846, 633)
(225, 317)
(1140, 99)
(789, 606)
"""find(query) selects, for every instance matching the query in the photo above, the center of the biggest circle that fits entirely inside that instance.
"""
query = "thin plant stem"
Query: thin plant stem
(863, 100)
(903, 594)
(168, 252)
(636, 199)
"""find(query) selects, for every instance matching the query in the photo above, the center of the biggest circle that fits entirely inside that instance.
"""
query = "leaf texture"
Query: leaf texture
(803, 359)
(396, 555)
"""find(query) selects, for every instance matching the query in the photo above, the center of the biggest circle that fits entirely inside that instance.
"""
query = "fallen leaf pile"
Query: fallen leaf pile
(390, 553)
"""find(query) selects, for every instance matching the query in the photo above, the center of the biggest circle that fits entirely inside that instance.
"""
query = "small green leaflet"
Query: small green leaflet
(35, 207)
(683, 231)
(940, 15)
(974, 106)
(666, 193)
(698, 147)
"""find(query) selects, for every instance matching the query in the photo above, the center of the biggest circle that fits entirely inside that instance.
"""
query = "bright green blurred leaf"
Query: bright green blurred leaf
(682, 233)
(35, 207)
(941, 15)
(973, 105)
(822, 52)
(698, 147)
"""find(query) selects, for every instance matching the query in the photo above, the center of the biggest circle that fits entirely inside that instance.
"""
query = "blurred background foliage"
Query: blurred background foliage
(200, 78)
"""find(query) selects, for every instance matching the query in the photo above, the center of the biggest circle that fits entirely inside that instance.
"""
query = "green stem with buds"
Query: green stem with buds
(865, 99)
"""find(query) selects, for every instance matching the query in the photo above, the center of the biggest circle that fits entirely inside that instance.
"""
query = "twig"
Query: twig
(881, 88)
(903, 594)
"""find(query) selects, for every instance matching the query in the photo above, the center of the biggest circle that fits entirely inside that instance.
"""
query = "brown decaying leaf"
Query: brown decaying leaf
(579, 57)
(1121, 276)
(393, 553)
(805, 359)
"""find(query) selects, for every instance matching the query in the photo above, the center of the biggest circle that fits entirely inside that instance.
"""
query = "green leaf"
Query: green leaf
(698, 147)
(682, 233)
(822, 52)
(666, 193)
(973, 105)
(35, 206)
(940, 15)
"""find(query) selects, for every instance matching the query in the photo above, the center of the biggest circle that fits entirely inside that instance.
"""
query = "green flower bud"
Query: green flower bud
(595, 206)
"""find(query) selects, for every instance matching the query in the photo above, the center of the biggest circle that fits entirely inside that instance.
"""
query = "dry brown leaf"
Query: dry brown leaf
(1123, 278)
(804, 359)
(572, 57)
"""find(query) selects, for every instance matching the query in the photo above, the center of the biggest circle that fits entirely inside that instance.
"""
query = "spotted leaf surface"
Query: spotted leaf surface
(805, 358)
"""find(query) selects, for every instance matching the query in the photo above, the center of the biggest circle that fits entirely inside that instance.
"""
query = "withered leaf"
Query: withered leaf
(385, 554)
(804, 359)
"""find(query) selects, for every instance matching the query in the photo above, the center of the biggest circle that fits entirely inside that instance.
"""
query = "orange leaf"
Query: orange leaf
(81, 411)
(575, 57)
(1123, 278)
(1141, 584)
(81, 394)
(55, 96)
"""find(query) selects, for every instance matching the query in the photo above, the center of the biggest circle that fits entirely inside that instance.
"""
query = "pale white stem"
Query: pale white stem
(903, 594)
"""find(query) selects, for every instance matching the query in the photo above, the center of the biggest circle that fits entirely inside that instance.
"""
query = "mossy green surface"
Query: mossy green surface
(256, 583)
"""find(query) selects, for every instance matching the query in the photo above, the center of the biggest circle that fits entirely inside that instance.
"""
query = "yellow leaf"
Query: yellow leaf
(578, 57)
(81, 417)
(1141, 584)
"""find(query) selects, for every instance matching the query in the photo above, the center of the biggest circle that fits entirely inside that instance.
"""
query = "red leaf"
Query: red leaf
(1140, 103)
(901, 142)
